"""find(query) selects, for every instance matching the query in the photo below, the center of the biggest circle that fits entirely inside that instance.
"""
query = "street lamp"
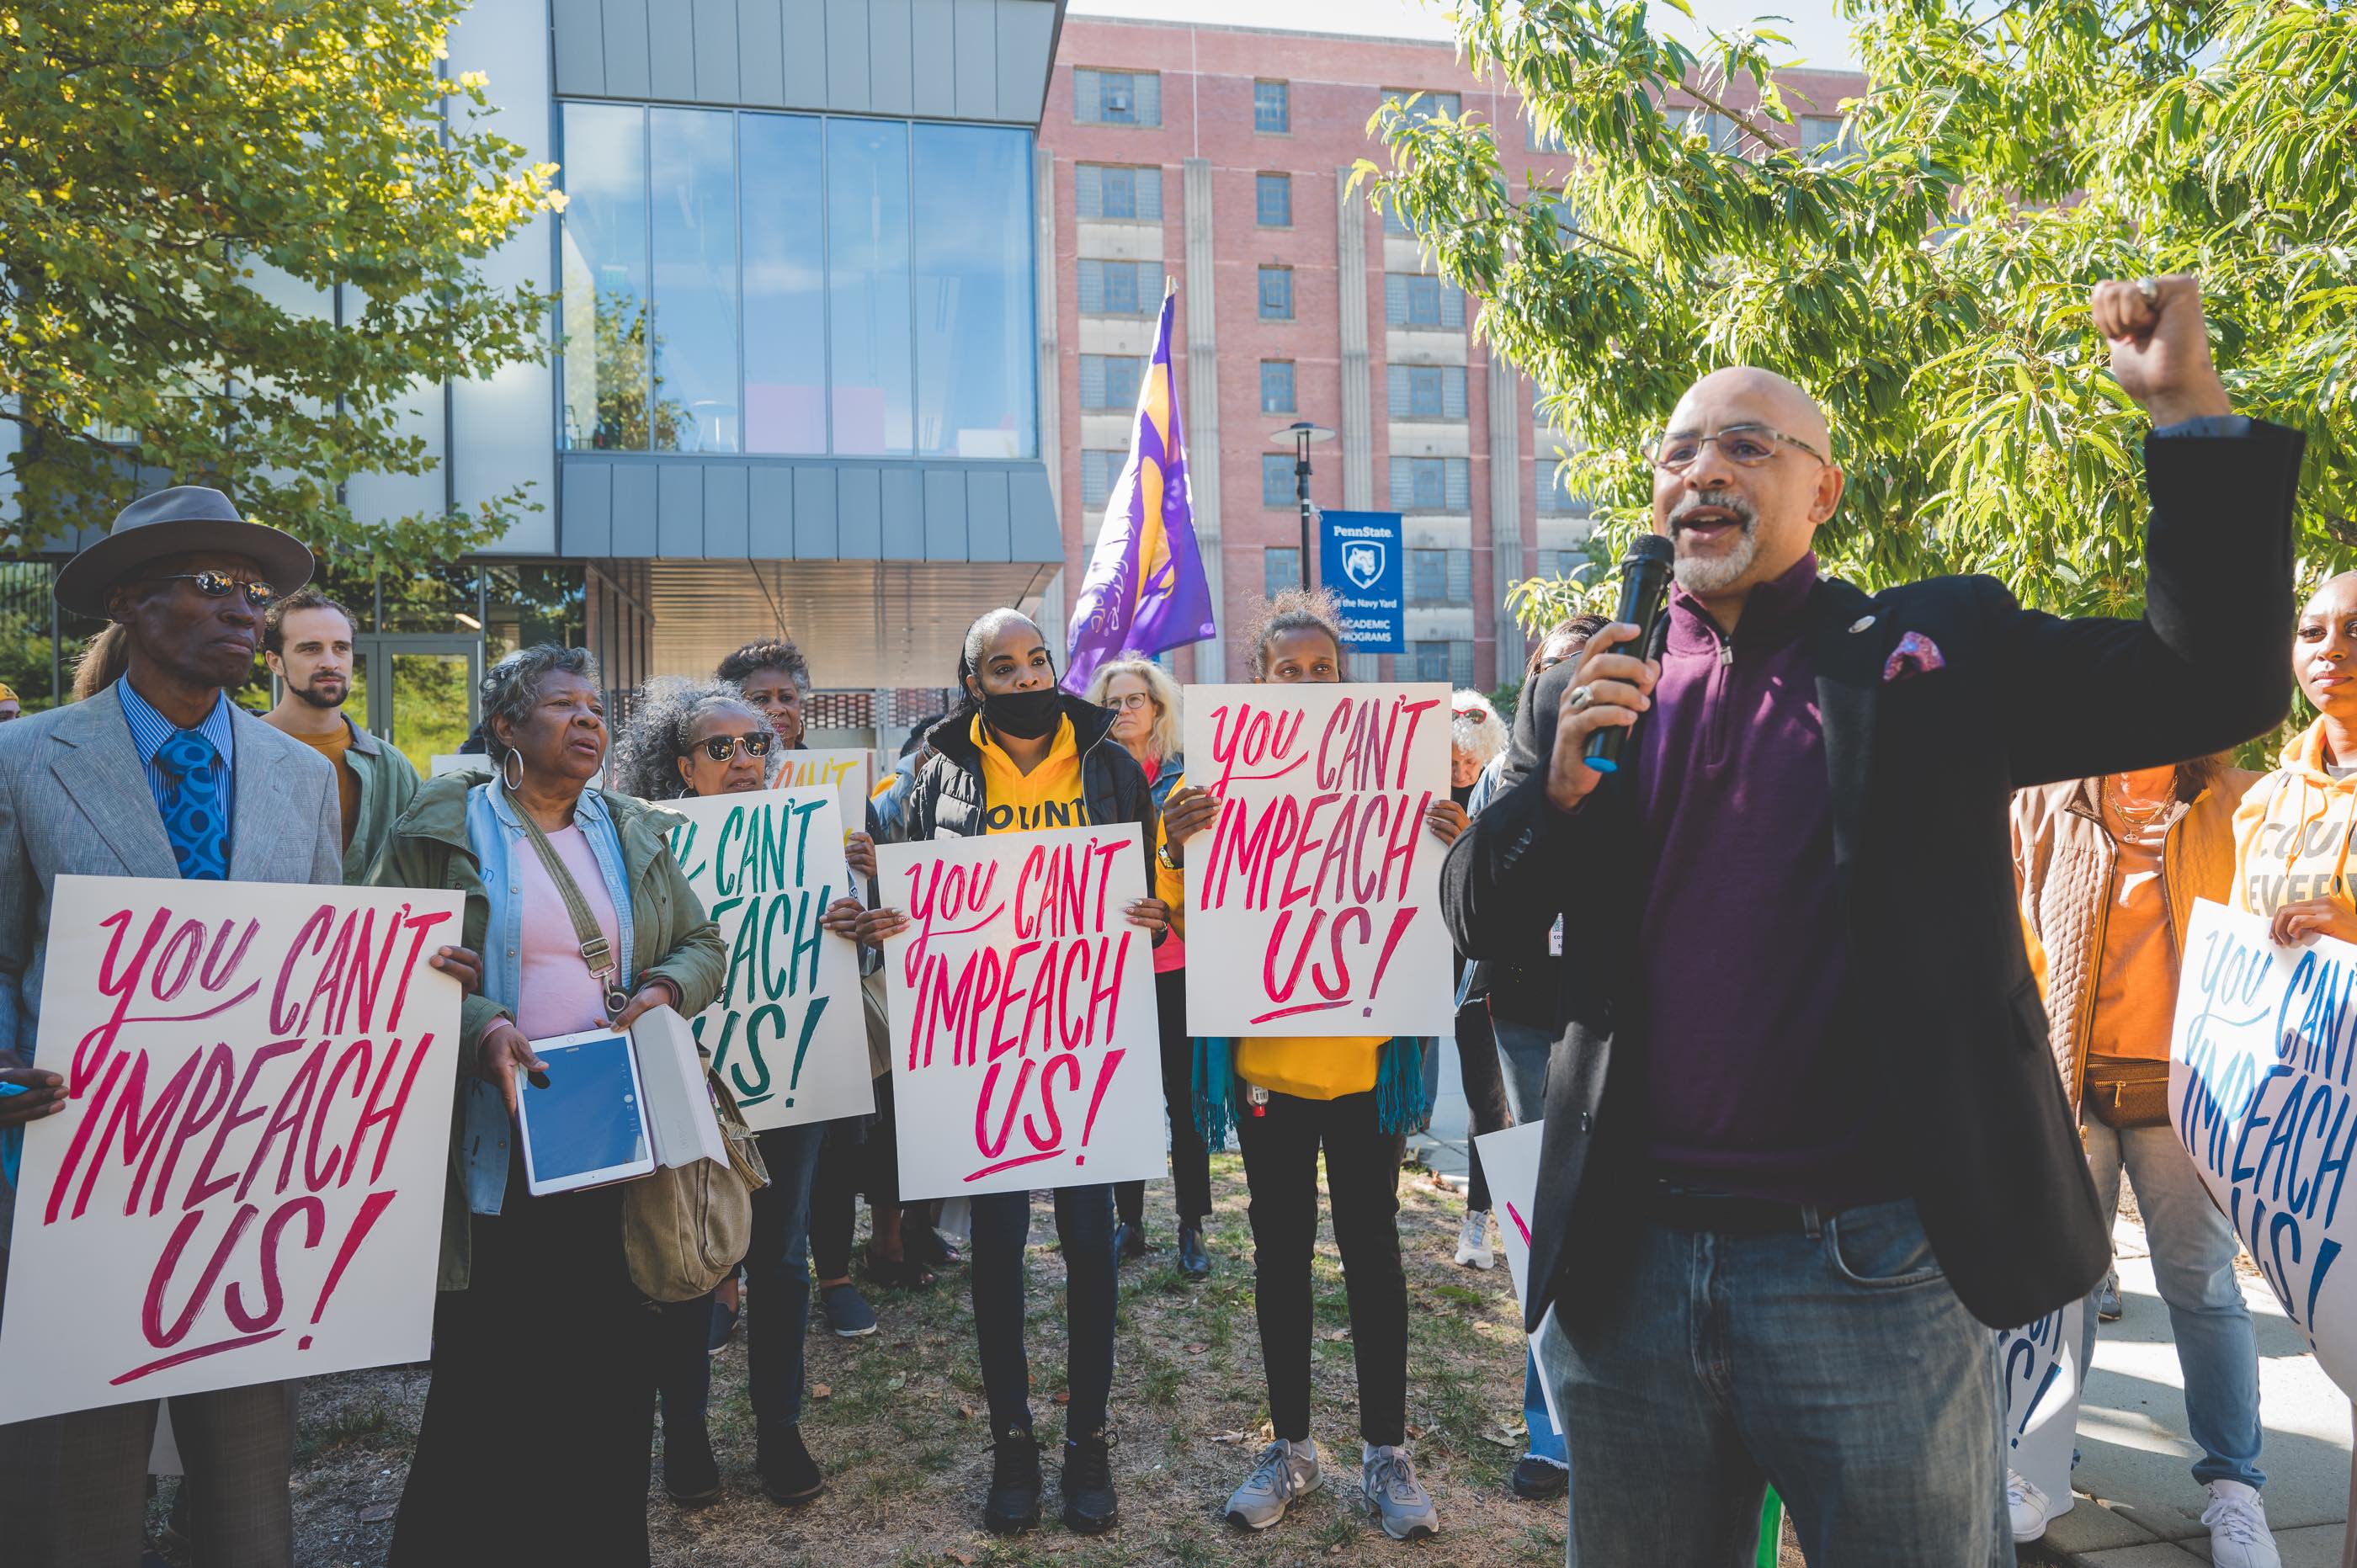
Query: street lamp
(1298, 435)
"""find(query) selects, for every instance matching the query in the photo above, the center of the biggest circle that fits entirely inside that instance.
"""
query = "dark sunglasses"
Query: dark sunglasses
(220, 585)
(721, 747)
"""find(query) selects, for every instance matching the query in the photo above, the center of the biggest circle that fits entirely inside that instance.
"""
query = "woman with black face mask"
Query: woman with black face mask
(1018, 754)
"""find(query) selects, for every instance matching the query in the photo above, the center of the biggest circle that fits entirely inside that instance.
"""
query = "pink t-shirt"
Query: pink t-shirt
(557, 993)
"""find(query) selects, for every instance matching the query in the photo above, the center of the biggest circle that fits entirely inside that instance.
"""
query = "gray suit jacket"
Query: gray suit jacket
(74, 798)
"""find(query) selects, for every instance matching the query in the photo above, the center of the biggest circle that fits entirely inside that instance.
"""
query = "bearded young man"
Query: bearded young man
(307, 640)
(1804, 1142)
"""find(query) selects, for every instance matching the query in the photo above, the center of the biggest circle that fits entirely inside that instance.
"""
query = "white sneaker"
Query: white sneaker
(2238, 1528)
(1473, 1242)
(2028, 1504)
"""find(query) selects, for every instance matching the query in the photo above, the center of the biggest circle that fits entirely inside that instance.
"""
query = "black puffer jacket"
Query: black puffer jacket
(948, 802)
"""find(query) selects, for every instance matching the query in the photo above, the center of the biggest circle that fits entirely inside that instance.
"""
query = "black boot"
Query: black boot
(1012, 1504)
(1089, 1505)
(1193, 1262)
(1128, 1240)
(789, 1474)
(691, 1474)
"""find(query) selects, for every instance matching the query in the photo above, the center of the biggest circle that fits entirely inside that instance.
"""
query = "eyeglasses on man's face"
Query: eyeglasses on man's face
(1745, 446)
(1130, 702)
(219, 585)
(721, 747)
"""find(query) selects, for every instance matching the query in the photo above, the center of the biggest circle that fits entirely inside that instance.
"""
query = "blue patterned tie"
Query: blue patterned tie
(195, 821)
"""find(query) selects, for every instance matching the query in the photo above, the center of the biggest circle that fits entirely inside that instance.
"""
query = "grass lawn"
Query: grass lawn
(896, 1422)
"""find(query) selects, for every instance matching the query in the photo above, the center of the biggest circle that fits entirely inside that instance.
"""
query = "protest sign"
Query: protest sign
(2043, 1366)
(1025, 1051)
(2258, 1092)
(1363, 562)
(246, 1185)
(786, 1035)
(1510, 1160)
(849, 771)
(1313, 900)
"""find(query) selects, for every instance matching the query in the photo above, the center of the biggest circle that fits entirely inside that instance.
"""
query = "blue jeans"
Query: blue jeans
(776, 1298)
(1523, 1052)
(1002, 1227)
(2193, 1264)
(1834, 1363)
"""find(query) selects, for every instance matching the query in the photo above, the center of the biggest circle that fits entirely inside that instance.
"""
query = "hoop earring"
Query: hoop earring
(511, 770)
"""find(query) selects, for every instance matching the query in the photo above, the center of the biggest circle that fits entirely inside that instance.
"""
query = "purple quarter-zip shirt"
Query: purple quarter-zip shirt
(1751, 1084)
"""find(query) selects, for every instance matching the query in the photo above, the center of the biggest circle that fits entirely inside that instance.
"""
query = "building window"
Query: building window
(1554, 496)
(1393, 222)
(1117, 288)
(1414, 299)
(1276, 293)
(1280, 568)
(1099, 469)
(1272, 107)
(794, 291)
(1562, 563)
(1116, 98)
(1276, 480)
(1451, 661)
(1110, 380)
(1117, 192)
(1431, 484)
(1276, 386)
(1272, 201)
(1440, 576)
(1538, 141)
(1426, 392)
(1828, 138)
(1418, 105)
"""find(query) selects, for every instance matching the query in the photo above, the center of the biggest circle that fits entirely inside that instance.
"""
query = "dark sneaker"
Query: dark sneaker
(920, 1244)
(789, 1474)
(691, 1474)
(1193, 1262)
(1089, 1505)
(1539, 1481)
(1012, 1504)
(1286, 1471)
(1128, 1240)
(1399, 1502)
(847, 1311)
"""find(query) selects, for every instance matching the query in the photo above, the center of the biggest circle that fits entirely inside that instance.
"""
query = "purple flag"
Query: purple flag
(1145, 590)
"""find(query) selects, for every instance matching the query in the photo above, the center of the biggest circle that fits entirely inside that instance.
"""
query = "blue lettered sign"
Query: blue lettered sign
(1361, 565)
(2260, 1094)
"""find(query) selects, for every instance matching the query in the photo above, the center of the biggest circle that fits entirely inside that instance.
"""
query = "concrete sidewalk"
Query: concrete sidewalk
(2137, 1504)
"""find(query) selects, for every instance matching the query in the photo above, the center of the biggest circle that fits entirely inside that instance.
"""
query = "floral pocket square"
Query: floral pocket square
(1915, 655)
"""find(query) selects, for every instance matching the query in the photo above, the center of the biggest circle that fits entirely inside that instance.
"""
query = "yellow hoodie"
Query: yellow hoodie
(2292, 831)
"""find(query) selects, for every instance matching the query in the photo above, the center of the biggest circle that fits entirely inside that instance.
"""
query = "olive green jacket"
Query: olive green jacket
(669, 938)
(389, 782)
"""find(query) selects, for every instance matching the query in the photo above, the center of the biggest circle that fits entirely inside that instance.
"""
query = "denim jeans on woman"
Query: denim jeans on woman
(1002, 1227)
(777, 1295)
(1523, 1052)
(2193, 1264)
(1835, 1362)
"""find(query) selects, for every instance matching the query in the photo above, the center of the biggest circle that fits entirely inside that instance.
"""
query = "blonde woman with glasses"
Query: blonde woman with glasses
(1144, 705)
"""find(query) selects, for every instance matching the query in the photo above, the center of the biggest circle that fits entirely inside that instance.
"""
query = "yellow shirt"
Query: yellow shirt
(1307, 1067)
(1048, 796)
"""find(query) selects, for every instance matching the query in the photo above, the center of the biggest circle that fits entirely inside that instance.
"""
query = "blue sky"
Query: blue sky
(1819, 36)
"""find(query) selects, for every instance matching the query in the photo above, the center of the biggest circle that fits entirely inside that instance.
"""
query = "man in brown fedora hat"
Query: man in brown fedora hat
(158, 775)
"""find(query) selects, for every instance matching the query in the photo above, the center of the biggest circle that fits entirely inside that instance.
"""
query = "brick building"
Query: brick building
(1216, 156)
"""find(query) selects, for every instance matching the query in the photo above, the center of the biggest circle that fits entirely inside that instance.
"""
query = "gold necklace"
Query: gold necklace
(2135, 822)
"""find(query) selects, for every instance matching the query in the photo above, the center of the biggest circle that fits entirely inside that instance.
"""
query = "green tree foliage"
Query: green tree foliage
(170, 170)
(1929, 280)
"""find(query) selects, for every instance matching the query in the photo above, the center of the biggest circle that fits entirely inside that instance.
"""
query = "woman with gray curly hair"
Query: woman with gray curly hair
(693, 738)
(566, 1420)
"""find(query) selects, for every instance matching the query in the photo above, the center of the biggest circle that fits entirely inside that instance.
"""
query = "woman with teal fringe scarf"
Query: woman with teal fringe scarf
(1287, 1099)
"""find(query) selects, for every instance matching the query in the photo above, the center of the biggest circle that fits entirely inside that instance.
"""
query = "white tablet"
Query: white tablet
(590, 1125)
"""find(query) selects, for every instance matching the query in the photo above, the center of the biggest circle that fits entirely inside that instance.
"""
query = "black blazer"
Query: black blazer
(1920, 772)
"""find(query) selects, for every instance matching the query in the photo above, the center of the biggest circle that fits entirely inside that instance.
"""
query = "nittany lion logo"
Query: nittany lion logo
(1363, 563)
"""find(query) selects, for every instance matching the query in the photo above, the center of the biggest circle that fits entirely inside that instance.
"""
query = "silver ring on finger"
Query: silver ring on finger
(1580, 698)
(2150, 289)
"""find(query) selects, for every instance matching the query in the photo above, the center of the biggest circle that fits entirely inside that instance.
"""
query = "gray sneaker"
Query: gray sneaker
(1394, 1496)
(1286, 1471)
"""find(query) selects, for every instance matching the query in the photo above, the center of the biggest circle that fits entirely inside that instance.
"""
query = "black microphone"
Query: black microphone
(1644, 584)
